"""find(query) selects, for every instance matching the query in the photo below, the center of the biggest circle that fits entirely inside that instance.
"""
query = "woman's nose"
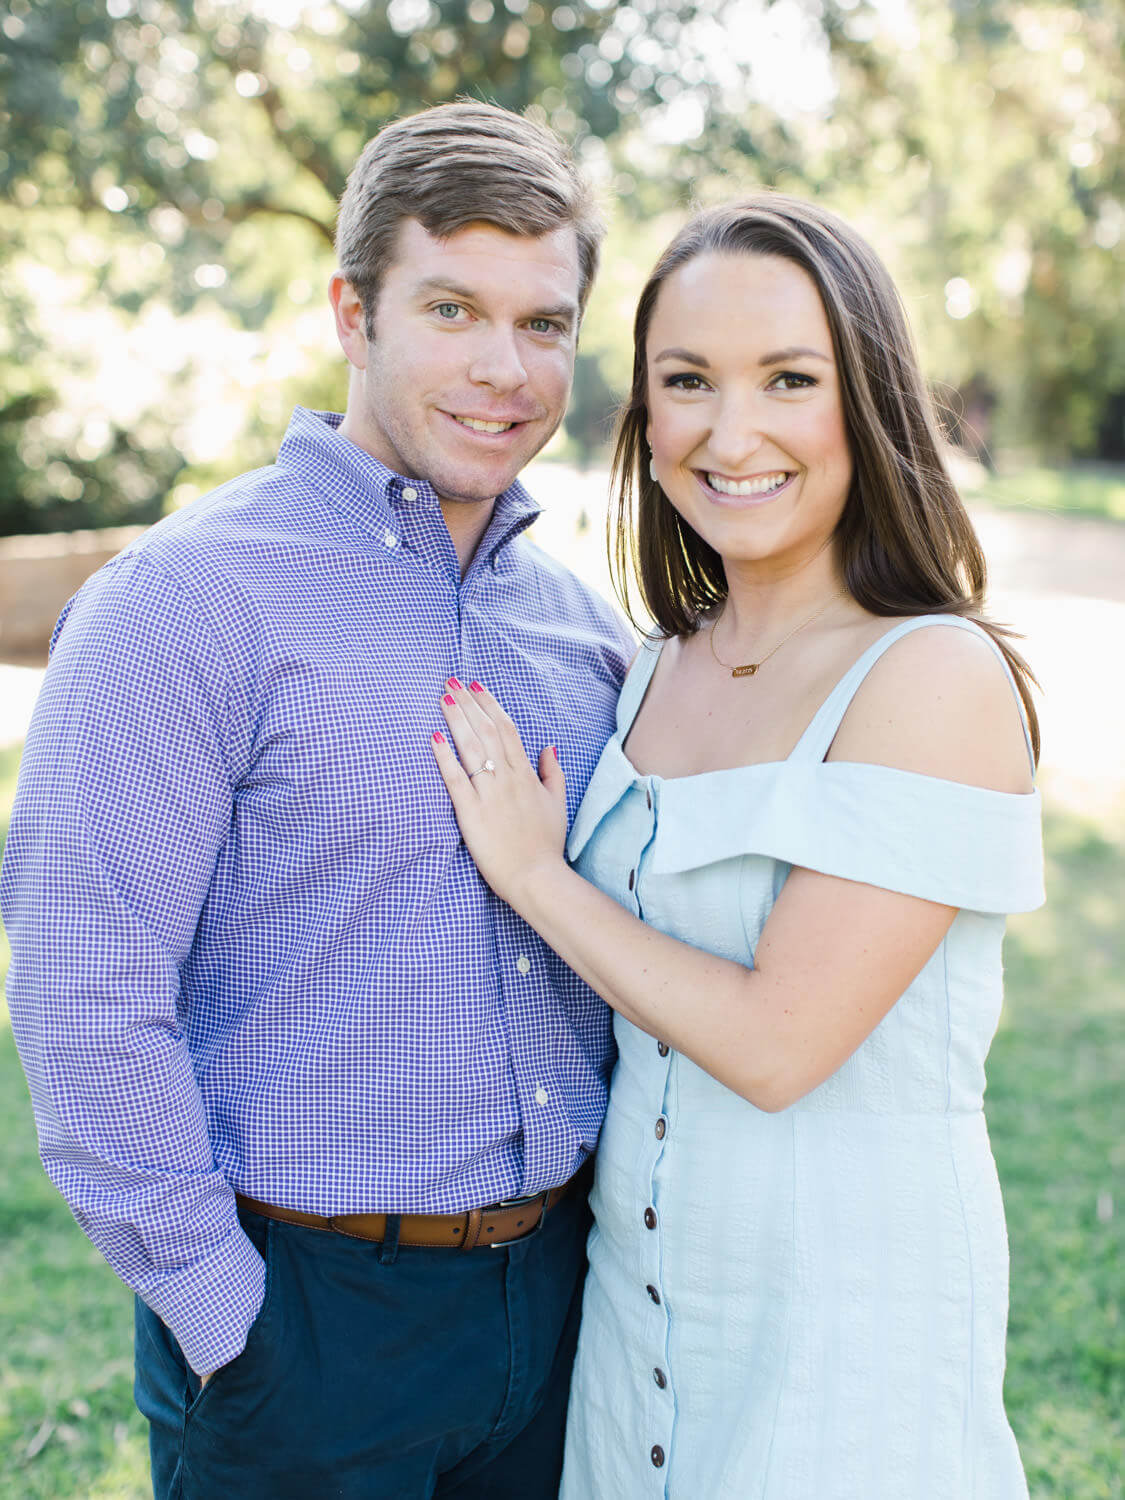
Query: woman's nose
(736, 435)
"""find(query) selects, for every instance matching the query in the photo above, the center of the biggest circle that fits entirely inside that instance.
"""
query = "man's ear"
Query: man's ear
(351, 320)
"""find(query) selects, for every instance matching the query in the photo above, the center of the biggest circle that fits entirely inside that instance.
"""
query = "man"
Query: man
(291, 1060)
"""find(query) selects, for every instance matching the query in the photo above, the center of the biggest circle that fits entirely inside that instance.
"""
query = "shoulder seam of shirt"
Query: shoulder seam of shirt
(196, 609)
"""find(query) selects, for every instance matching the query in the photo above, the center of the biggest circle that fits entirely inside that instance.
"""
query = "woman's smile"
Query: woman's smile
(756, 489)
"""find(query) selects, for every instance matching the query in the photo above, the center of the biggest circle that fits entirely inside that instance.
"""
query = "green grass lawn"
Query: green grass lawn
(68, 1426)
(1078, 489)
(1056, 1110)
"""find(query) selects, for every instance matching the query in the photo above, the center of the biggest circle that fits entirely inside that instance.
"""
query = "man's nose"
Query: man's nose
(497, 361)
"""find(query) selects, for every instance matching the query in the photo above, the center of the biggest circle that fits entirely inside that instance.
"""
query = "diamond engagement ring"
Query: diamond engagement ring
(489, 766)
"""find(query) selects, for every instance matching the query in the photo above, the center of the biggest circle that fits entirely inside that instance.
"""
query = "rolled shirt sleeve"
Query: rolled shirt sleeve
(124, 801)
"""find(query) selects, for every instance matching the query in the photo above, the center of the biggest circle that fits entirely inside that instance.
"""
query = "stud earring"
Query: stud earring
(652, 469)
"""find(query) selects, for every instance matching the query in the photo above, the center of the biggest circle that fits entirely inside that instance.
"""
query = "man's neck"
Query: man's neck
(466, 521)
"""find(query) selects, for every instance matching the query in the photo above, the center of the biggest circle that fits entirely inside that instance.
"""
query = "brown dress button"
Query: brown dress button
(648, 800)
(632, 878)
(661, 1127)
(657, 1456)
(659, 1376)
(654, 1295)
(662, 1048)
(650, 1218)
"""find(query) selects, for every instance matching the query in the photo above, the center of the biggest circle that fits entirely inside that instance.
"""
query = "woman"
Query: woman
(789, 878)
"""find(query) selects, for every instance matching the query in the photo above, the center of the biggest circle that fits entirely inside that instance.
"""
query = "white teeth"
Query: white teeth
(760, 486)
(476, 426)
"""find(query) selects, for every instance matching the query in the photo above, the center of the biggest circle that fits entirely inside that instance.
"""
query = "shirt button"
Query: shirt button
(662, 1048)
(632, 878)
(523, 964)
(389, 539)
(659, 1376)
(409, 492)
(648, 800)
(540, 1095)
(661, 1127)
(650, 1218)
(653, 1294)
(657, 1456)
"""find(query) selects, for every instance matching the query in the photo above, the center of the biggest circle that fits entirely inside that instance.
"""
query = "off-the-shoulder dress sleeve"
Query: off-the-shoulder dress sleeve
(961, 845)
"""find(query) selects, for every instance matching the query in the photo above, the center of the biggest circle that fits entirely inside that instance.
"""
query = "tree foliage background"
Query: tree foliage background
(169, 172)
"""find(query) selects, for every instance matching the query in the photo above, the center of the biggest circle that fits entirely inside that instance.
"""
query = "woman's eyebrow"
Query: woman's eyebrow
(796, 351)
(682, 354)
(775, 357)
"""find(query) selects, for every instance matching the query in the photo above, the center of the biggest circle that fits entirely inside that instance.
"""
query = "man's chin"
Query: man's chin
(460, 489)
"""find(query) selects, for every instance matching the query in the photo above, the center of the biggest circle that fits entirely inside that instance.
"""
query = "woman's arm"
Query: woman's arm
(834, 955)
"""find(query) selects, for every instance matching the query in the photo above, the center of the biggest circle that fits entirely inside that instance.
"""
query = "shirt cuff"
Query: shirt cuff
(210, 1305)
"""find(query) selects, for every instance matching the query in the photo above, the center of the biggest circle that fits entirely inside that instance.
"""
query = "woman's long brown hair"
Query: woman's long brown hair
(905, 542)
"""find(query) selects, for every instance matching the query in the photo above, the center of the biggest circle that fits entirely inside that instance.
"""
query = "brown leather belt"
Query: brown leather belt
(497, 1225)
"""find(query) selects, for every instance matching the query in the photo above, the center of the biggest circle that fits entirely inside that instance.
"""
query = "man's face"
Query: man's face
(473, 355)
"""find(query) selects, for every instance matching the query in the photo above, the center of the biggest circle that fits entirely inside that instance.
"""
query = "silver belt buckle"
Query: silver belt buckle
(515, 1203)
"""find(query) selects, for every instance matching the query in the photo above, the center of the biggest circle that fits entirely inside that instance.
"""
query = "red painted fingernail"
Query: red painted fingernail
(453, 683)
(476, 687)
(448, 699)
(439, 738)
(554, 752)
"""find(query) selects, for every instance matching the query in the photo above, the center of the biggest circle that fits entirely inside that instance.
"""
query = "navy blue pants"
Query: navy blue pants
(376, 1373)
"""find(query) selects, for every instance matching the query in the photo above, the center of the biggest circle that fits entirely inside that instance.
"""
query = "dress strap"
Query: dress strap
(814, 743)
(636, 682)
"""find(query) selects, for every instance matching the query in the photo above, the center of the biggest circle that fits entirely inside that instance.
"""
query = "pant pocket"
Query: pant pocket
(255, 1334)
(229, 1419)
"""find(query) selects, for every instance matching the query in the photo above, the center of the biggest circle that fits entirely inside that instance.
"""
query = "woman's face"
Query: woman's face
(745, 418)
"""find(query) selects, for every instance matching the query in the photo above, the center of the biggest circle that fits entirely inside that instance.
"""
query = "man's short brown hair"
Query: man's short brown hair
(454, 165)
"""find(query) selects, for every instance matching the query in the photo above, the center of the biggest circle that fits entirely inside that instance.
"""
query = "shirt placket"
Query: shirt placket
(656, 1376)
(528, 1001)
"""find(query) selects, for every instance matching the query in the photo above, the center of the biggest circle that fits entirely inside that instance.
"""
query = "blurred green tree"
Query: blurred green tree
(986, 140)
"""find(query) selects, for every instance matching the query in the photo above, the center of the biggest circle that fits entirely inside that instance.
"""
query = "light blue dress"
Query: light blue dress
(808, 1305)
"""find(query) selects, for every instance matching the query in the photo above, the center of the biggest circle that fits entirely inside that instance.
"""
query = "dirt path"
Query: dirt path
(1060, 580)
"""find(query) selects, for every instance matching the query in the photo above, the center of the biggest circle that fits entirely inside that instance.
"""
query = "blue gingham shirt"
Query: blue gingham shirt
(250, 950)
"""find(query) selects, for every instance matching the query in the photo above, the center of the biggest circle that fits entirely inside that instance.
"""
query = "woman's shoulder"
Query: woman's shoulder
(939, 701)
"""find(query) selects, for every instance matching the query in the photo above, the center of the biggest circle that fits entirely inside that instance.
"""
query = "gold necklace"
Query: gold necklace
(749, 668)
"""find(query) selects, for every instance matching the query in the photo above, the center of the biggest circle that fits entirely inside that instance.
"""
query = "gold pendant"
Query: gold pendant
(746, 671)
